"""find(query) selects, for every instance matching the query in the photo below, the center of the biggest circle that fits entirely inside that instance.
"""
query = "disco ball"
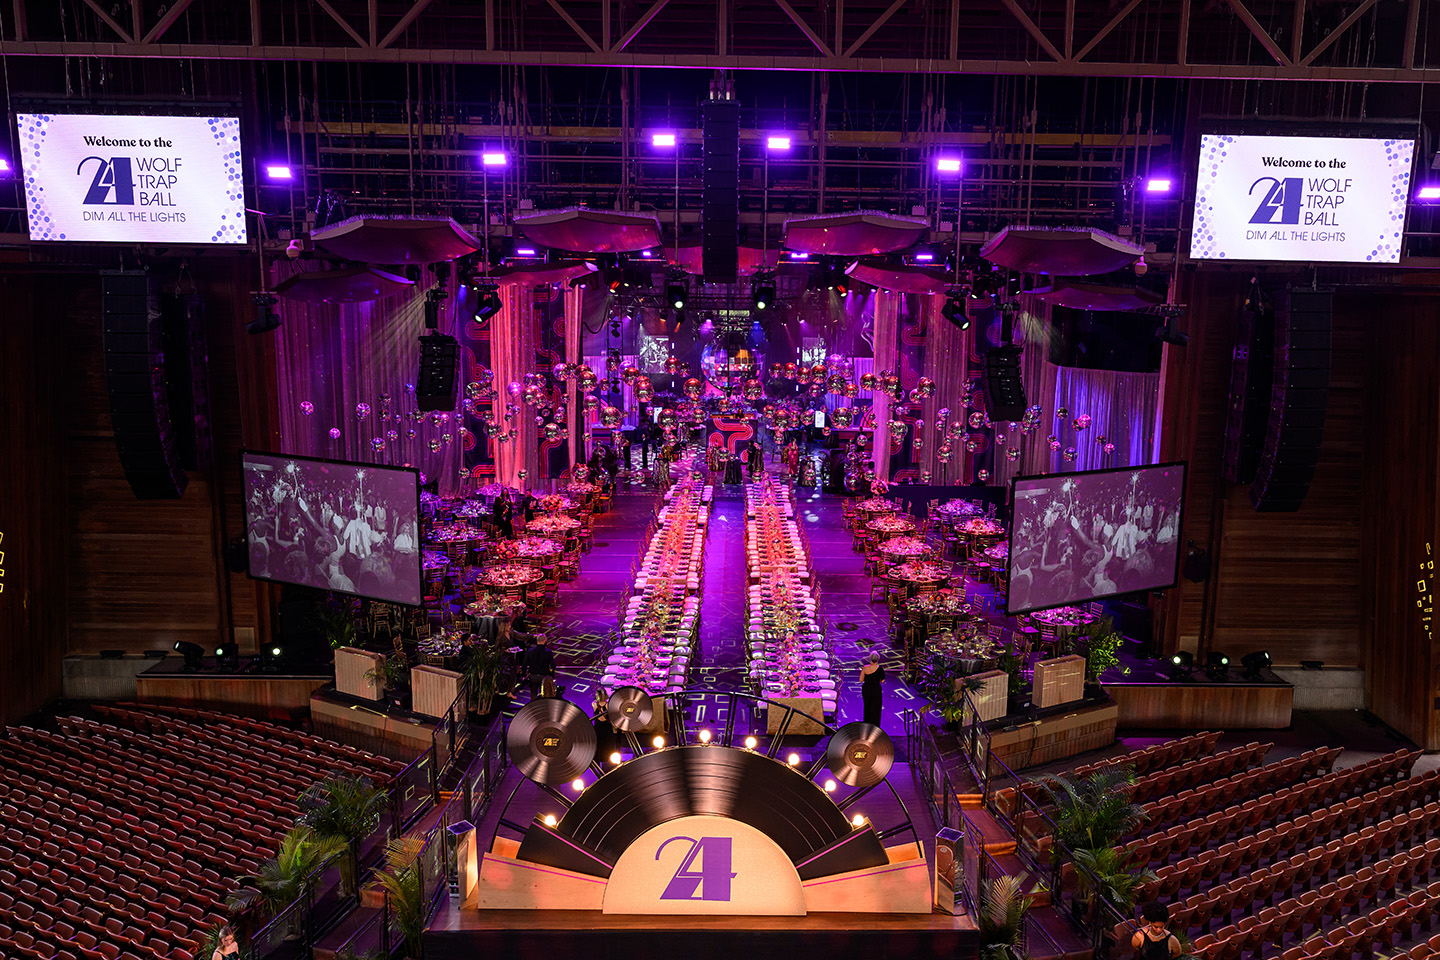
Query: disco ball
(334, 433)
(306, 407)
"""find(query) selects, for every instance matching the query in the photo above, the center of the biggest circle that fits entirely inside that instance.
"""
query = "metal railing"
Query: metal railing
(927, 768)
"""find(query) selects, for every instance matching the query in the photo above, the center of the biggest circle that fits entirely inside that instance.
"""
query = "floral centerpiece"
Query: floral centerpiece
(956, 510)
(921, 572)
(876, 505)
(1065, 617)
(905, 547)
(981, 527)
(511, 575)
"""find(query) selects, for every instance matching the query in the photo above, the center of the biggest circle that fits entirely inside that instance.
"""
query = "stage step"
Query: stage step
(330, 943)
(994, 835)
(1031, 883)
(1061, 941)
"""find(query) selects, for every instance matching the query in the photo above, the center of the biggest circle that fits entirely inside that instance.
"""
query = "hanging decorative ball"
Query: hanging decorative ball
(1102, 439)
(1062, 414)
(976, 420)
(1069, 454)
(1054, 445)
(629, 375)
(409, 434)
(591, 403)
(306, 407)
(514, 388)
(392, 435)
(942, 414)
(862, 441)
(1081, 422)
(1012, 454)
(612, 361)
(1109, 448)
(434, 445)
(581, 472)
(835, 384)
(879, 488)
(868, 381)
(973, 444)
(851, 390)
(924, 476)
(898, 428)
(378, 444)
(672, 365)
(334, 433)
(551, 430)
(586, 380)
(752, 390)
(610, 417)
(999, 439)
(918, 443)
(843, 416)
(522, 474)
(464, 473)
(925, 387)
(944, 454)
(982, 475)
(693, 389)
(362, 411)
(561, 371)
(447, 439)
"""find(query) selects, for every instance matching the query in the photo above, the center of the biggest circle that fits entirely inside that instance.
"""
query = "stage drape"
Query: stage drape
(512, 355)
(1032, 330)
(574, 306)
(338, 356)
(947, 363)
(886, 313)
(1122, 408)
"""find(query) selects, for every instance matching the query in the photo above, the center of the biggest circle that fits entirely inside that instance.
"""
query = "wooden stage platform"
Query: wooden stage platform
(1023, 740)
(377, 727)
(1232, 705)
(250, 693)
(460, 933)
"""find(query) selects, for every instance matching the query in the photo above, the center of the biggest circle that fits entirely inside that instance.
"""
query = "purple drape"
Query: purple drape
(1122, 408)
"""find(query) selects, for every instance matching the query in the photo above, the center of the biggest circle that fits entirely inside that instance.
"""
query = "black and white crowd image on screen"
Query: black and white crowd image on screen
(1084, 536)
(334, 526)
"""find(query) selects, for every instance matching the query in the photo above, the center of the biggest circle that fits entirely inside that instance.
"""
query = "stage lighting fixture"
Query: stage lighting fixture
(487, 302)
(662, 138)
(842, 289)
(798, 255)
(659, 742)
(830, 786)
(647, 253)
(266, 319)
(704, 736)
(924, 256)
(615, 758)
(1158, 185)
(1429, 193)
(857, 821)
(1168, 334)
(279, 171)
(1217, 666)
(577, 785)
(191, 652)
(4, 167)
(750, 743)
(1254, 663)
(524, 251)
(493, 158)
(1312, 664)
(793, 759)
(764, 296)
(777, 143)
(227, 655)
(954, 309)
(675, 294)
(1181, 665)
(549, 820)
(947, 164)
(615, 329)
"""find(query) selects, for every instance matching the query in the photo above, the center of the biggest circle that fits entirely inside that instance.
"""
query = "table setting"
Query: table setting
(553, 524)
(905, 548)
(556, 503)
(981, 527)
(511, 575)
(955, 511)
(876, 505)
(1065, 618)
(890, 525)
(921, 572)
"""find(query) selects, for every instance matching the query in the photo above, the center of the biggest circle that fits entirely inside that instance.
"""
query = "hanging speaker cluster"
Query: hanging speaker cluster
(720, 199)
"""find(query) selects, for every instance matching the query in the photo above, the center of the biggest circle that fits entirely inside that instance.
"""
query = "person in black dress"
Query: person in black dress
(1154, 941)
(500, 516)
(872, 675)
(226, 947)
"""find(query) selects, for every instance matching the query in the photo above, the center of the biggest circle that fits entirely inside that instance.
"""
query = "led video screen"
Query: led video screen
(127, 179)
(1076, 537)
(1301, 199)
(349, 527)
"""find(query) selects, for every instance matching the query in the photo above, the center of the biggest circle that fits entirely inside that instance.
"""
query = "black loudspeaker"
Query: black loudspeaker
(187, 379)
(435, 386)
(1252, 370)
(1298, 397)
(1004, 391)
(720, 201)
(135, 380)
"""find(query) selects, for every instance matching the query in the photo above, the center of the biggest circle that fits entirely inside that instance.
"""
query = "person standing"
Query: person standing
(1154, 941)
(757, 459)
(539, 665)
(872, 695)
(226, 947)
(500, 516)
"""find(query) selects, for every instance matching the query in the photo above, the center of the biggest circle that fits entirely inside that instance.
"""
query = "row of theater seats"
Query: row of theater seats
(1156, 756)
(1244, 818)
(1202, 770)
(1191, 802)
(120, 841)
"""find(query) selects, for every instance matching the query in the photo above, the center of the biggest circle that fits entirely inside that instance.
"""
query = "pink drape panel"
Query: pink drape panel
(338, 356)
(947, 363)
(886, 332)
(512, 355)
(574, 306)
(1122, 408)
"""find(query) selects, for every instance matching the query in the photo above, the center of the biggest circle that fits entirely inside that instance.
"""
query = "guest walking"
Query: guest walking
(1154, 941)
(539, 665)
(872, 695)
(757, 460)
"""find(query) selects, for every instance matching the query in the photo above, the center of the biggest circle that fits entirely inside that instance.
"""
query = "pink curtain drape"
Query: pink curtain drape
(574, 307)
(512, 355)
(886, 346)
(332, 358)
(947, 351)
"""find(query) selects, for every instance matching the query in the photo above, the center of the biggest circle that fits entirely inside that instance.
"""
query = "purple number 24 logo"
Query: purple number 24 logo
(711, 880)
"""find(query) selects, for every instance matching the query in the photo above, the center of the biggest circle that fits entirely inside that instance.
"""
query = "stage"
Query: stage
(460, 933)
(282, 695)
(1036, 737)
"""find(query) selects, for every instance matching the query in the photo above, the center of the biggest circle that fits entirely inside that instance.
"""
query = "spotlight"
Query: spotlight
(924, 256)
(266, 319)
(1168, 334)
(227, 656)
(675, 295)
(954, 308)
(577, 784)
(857, 821)
(1217, 666)
(524, 251)
(797, 255)
(764, 296)
(793, 759)
(662, 138)
(192, 653)
(1254, 663)
(704, 736)
(830, 786)
(777, 143)
(1429, 193)
(750, 743)
(946, 164)
(493, 158)
(615, 758)
(659, 742)
(1158, 185)
(842, 289)
(1181, 665)
(279, 171)
(4, 167)
(615, 329)
(549, 820)
(487, 302)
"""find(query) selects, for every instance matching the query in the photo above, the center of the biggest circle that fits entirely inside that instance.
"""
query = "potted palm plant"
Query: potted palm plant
(482, 673)
(404, 887)
(1002, 920)
(335, 619)
(287, 876)
(346, 809)
(394, 673)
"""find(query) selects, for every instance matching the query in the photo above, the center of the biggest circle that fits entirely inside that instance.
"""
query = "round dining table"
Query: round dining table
(891, 525)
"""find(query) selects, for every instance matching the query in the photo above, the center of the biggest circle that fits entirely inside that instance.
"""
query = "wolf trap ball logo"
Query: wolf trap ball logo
(1290, 200)
(129, 182)
(711, 881)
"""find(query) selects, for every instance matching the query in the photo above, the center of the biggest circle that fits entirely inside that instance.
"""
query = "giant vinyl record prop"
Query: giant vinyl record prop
(860, 754)
(551, 741)
(630, 708)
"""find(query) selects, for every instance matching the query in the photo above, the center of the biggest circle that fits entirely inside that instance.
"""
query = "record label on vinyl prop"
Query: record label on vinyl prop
(860, 754)
(630, 709)
(551, 741)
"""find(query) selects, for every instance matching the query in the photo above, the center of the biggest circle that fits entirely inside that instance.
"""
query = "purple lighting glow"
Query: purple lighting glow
(662, 138)
(796, 255)
(947, 164)
(277, 171)
(925, 257)
(524, 251)
(493, 158)
(1158, 185)
(1429, 192)
(777, 143)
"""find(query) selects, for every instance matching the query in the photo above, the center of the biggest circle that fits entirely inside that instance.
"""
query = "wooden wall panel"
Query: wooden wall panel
(1400, 488)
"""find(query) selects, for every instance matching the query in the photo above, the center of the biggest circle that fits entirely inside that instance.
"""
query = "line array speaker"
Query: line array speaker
(1004, 390)
(1298, 398)
(135, 381)
(182, 324)
(1252, 370)
(720, 201)
(435, 386)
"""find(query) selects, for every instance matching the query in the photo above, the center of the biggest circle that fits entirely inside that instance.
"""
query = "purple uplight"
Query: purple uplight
(925, 257)
(493, 158)
(777, 143)
(1158, 185)
(279, 171)
(1430, 192)
(947, 164)
(662, 138)
(797, 255)
(647, 253)
(524, 251)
